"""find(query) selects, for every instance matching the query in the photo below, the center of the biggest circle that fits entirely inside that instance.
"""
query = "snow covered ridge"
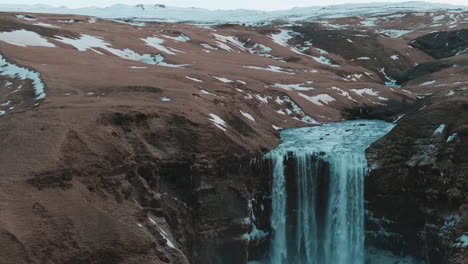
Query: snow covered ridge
(14, 71)
(252, 17)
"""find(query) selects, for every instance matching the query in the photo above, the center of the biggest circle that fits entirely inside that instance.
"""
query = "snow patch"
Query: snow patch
(208, 46)
(395, 33)
(41, 24)
(194, 79)
(6, 104)
(291, 87)
(25, 17)
(282, 37)
(218, 122)
(24, 38)
(14, 71)
(157, 44)
(438, 18)
(223, 41)
(286, 100)
(180, 38)
(262, 99)
(166, 236)
(319, 99)
(342, 93)
(248, 116)
(269, 68)
(452, 137)
(224, 80)
(208, 93)
(439, 130)
(399, 118)
(367, 91)
(462, 241)
(86, 42)
(390, 81)
(427, 83)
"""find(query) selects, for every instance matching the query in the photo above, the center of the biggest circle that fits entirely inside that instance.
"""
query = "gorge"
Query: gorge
(160, 135)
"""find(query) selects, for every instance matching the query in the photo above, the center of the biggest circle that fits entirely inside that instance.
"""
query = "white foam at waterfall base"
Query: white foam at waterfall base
(318, 234)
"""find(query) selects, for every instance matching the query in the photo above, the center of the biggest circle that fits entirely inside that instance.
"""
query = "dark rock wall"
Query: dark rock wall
(419, 181)
(203, 197)
(443, 44)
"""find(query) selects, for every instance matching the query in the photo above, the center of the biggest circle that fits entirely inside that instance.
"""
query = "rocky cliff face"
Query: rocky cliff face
(418, 180)
(418, 183)
(143, 142)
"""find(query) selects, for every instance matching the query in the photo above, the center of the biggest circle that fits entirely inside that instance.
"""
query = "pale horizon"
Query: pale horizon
(262, 5)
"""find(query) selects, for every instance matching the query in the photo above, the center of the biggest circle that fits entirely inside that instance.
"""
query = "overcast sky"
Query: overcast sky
(213, 4)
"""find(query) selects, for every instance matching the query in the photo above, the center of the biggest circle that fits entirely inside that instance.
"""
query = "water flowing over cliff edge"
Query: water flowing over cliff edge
(318, 213)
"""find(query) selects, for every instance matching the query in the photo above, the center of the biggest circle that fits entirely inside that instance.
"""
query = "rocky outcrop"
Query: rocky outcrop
(417, 186)
(443, 44)
(425, 69)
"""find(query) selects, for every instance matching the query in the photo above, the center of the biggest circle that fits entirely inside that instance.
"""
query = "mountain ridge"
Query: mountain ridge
(240, 16)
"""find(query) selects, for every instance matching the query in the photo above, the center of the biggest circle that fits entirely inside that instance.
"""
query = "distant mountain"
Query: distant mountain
(204, 16)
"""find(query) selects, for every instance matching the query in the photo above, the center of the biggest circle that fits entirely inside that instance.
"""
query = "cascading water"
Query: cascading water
(318, 214)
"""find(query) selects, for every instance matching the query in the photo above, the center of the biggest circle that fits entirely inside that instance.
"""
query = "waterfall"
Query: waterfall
(317, 197)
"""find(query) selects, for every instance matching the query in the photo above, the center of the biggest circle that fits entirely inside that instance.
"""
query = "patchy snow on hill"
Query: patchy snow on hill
(194, 79)
(439, 130)
(47, 25)
(223, 41)
(14, 71)
(428, 83)
(207, 93)
(208, 46)
(395, 33)
(180, 38)
(295, 109)
(364, 91)
(290, 87)
(282, 37)
(247, 115)
(218, 122)
(25, 38)
(269, 68)
(462, 241)
(87, 42)
(222, 79)
(156, 43)
(28, 18)
(319, 99)
(342, 92)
